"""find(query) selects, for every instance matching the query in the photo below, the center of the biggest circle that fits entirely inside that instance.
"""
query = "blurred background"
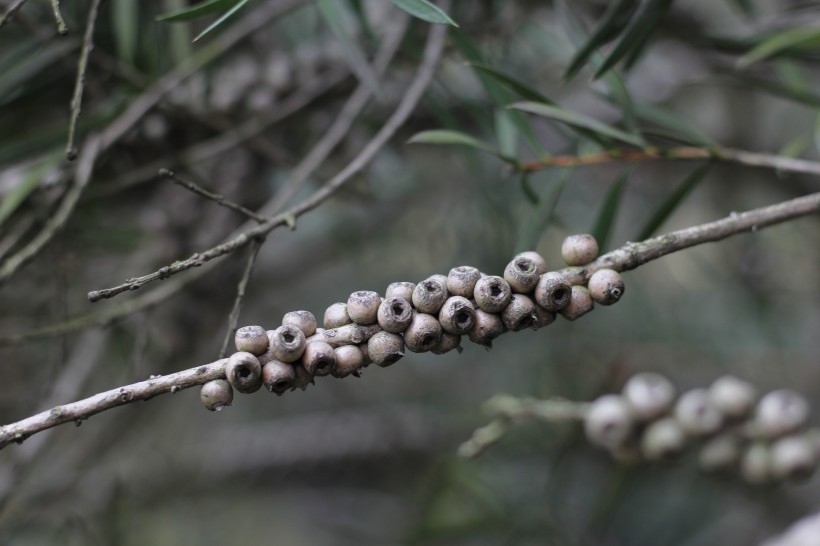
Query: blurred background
(373, 460)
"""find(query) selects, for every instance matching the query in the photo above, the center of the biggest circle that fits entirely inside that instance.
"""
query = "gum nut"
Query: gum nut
(719, 453)
(278, 376)
(580, 304)
(519, 314)
(216, 394)
(650, 395)
(244, 372)
(251, 339)
(385, 348)
(349, 360)
(609, 423)
(780, 412)
(457, 315)
(579, 249)
(552, 292)
(400, 290)
(423, 334)
(395, 314)
(462, 280)
(792, 458)
(429, 295)
(287, 343)
(304, 320)
(492, 294)
(606, 286)
(733, 397)
(336, 315)
(696, 414)
(521, 274)
(362, 307)
(540, 262)
(663, 440)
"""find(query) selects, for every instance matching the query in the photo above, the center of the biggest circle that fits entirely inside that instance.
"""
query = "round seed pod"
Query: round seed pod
(756, 464)
(440, 278)
(395, 314)
(216, 394)
(780, 412)
(336, 315)
(492, 294)
(696, 414)
(447, 343)
(580, 303)
(365, 353)
(792, 457)
(429, 295)
(349, 360)
(318, 358)
(609, 422)
(540, 262)
(521, 274)
(244, 372)
(385, 348)
(423, 333)
(362, 307)
(303, 379)
(461, 281)
(650, 395)
(457, 315)
(733, 397)
(400, 290)
(304, 320)
(719, 453)
(251, 339)
(605, 286)
(278, 376)
(487, 327)
(552, 292)
(663, 440)
(287, 343)
(519, 314)
(542, 317)
(579, 249)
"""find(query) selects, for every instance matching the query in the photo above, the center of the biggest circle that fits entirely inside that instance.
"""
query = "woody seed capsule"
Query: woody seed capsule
(580, 303)
(216, 394)
(609, 422)
(696, 414)
(423, 334)
(318, 358)
(552, 292)
(362, 307)
(719, 453)
(303, 379)
(430, 295)
(400, 290)
(336, 315)
(540, 262)
(780, 412)
(447, 343)
(733, 397)
(650, 395)
(605, 286)
(492, 294)
(278, 376)
(457, 315)
(756, 464)
(792, 457)
(365, 353)
(487, 327)
(519, 314)
(349, 360)
(244, 372)
(521, 274)
(663, 439)
(579, 249)
(304, 320)
(542, 317)
(461, 281)
(251, 339)
(385, 348)
(395, 314)
(287, 343)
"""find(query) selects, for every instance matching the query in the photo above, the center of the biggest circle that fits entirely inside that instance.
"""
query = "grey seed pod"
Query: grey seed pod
(542, 317)
(663, 439)
(461, 281)
(278, 376)
(251, 339)
(304, 320)
(457, 315)
(423, 333)
(552, 292)
(365, 353)
(579, 249)
(719, 453)
(606, 286)
(519, 314)
(521, 274)
(447, 343)
(349, 360)
(580, 303)
(696, 414)
(400, 290)
(216, 394)
(287, 343)
(792, 457)
(362, 307)
(395, 314)
(429, 295)
(440, 278)
(244, 372)
(492, 294)
(609, 422)
(336, 315)
(540, 262)
(303, 379)
(650, 395)
(318, 358)
(733, 397)
(756, 464)
(780, 412)
(487, 327)
(385, 348)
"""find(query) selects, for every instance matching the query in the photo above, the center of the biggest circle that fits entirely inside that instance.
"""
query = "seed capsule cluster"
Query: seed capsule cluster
(763, 437)
(432, 315)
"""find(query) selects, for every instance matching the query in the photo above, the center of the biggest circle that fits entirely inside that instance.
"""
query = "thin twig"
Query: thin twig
(215, 197)
(58, 17)
(717, 153)
(10, 12)
(82, 65)
(625, 258)
(233, 319)
(432, 53)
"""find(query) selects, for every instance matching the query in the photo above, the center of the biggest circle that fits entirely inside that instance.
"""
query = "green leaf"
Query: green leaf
(679, 127)
(620, 96)
(519, 87)
(541, 215)
(636, 33)
(612, 22)
(29, 183)
(446, 136)
(15, 78)
(526, 188)
(577, 120)
(602, 228)
(361, 17)
(506, 134)
(781, 42)
(331, 12)
(197, 10)
(426, 11)
(225, 16)
(125, 21)
(665, 209)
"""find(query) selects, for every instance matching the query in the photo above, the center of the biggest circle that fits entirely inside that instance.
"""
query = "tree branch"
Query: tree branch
(10, 12)
(82, 65)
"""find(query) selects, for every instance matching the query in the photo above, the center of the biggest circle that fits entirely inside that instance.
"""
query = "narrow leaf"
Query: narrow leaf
(602, 228)
(446, 136)
(518, 86)
(668, 120)
(14, 79)
(526, 188)
(29, 183)
(196, 11)
(125, 20)
(426, 11)
(353, 54)
(225, 16)
(620, 96)
(781, 42)
(612, 22)
(506, 134)
(541, 215)
(665, 209)
(577, 120)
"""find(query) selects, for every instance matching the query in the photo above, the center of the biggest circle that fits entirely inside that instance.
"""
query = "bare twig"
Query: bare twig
(58, 17)
(82, 65)
(625, 258)
(10, 12)
(215, 197)
(233, 319)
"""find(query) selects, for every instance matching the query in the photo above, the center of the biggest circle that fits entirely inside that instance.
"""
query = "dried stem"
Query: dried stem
(215, 197)
(10, 12)
(625, 258)
(233, 319)
(58, 17)
(82, 65)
